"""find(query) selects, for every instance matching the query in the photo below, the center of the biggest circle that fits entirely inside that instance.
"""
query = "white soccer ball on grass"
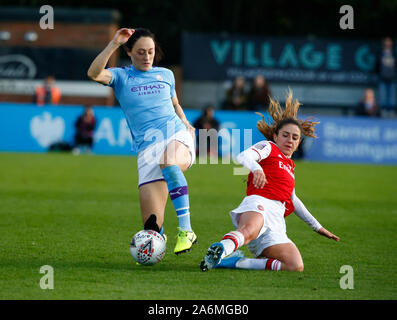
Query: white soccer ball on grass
(148, 247)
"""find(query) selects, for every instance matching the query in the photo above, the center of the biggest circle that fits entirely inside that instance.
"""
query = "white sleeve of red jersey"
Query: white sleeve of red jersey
(303, 213)
(250, 157)
(262, 148)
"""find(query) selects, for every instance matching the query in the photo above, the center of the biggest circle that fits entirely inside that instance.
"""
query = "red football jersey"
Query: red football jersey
(279, 171)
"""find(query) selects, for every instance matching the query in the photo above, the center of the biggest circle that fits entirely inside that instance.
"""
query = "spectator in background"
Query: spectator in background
(47, 93)
(84, 137)
(368, 105)
(258, 97)
(207, 121)
(386, 66)
(236, 96)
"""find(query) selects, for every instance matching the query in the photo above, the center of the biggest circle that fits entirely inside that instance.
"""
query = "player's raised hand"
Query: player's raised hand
(324, 232)
(259, 179)
(122, 35)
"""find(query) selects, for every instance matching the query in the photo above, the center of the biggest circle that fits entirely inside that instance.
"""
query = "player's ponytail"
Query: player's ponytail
(284, 116)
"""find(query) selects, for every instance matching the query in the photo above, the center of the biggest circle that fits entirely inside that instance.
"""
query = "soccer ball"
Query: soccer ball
(147, 247)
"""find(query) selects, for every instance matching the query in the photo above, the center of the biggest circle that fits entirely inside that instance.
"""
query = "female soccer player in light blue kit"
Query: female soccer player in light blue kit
(161, 134)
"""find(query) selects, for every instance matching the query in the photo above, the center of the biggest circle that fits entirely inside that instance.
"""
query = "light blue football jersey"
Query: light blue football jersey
(145, 98)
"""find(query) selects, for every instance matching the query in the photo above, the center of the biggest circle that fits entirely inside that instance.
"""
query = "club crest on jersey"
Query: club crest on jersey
(259, 146)
(159, 77)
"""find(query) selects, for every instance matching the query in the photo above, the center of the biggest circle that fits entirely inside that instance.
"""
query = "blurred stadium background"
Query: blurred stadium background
(297, 45)
(207, 45)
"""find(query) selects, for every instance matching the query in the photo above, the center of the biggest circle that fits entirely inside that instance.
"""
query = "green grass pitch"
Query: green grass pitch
(78, 215)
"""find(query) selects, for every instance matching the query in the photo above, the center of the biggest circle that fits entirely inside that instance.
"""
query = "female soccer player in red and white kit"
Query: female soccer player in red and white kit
(260, 218)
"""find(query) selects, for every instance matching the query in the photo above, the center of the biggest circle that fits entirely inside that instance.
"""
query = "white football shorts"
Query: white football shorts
(273, 230)
(149, 159)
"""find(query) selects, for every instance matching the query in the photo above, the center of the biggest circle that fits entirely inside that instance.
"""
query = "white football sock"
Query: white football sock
(232, 241)
(259, 264)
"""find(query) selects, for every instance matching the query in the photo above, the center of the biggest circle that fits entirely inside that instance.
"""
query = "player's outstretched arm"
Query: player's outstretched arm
(324, 232)
(97, 71)
(304, 214)
(301, 211)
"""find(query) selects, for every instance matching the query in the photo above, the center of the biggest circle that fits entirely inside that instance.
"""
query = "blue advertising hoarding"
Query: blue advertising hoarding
(359, 140)
(29, 128)
(34, 129)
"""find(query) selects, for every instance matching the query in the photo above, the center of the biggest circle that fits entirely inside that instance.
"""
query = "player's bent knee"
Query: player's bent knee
(299, 268)
(294, 266)
(182, 162)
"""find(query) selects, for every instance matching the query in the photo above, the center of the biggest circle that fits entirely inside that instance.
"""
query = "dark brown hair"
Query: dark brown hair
(142, 32)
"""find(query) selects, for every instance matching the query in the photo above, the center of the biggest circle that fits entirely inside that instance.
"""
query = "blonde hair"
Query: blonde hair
(284, 116)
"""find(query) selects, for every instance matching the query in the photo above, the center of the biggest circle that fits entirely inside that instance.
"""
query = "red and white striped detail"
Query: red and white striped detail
(260, 157)
(273, 264)
(235, 236)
